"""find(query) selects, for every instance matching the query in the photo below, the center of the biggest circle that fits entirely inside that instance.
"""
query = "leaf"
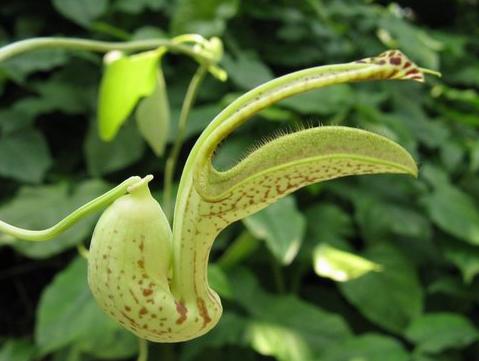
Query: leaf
(282, 226)
(25, 64)
(104, 158)
(465, 257)
(68, 315)
(31, 158)
(298, 328)
(230, 330)
(124, 82)
(41, 207)
(436, 332)
(153, 117)
(81, 12)
(270, 339)
(17, 350)
(207, 17)
(137, 6)
(412, 40)
(391, 298)
(453, 211)
(340, 266)
(247, 70)
(368, 347)
(218, 281)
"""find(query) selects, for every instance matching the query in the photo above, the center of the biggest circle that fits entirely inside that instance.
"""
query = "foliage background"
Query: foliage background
(423, 306)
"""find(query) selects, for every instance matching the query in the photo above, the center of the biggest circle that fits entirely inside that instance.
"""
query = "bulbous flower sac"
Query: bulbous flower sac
(129, 264)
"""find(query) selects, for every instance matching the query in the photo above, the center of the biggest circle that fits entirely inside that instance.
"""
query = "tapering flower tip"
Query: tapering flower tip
(143, 182)
(399, 66)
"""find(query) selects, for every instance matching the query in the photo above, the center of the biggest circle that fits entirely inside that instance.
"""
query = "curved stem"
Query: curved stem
(142, 349)
(85, 210)
(24, 46)
(83, 251)
(180, 137)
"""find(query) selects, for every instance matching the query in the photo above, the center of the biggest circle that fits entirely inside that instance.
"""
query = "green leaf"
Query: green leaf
(391, 298)
(41, 207)
(153, 117)
(465, 257)
(137, 6)
(412, 40)
(436, 332)
(329, 224)
(454, 212)
(218, 281)
(339, 265)
(17, 350)
(103, 158)
(25, 64)
(68, 315)
(124, 82)
(282, 226)
(31, 158)
(369, 347)
(282, 343)
(230, 330)
(206, 17)
(81, 12)
(247, 70)
(285, 326)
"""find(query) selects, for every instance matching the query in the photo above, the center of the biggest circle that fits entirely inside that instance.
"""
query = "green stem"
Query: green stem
(85, 210)
(180, 137)
(241, 248)
(278, 275)
(24, 46)
(142, 349)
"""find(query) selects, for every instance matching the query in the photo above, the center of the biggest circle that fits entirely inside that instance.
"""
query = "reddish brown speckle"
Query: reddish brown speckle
(147, 292)
(203, 311)
(143, 311)
(395, 60)
(182, 311)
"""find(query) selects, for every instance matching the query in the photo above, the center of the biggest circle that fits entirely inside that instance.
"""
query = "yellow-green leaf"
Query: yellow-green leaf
(339, 265)
(125, 81)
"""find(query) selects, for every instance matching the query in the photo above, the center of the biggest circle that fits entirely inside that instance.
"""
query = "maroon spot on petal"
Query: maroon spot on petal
(147, 292)
(182, 311)
(395, 60)
(412, 71)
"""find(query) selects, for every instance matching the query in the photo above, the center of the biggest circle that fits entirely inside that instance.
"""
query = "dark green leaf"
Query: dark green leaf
(391, 298)
(31, 157)
(436, 332)
(282, 226)
(247, 70)
(68, 315)
(103, 158)
(41, 207)
(369, 347)
(204, 17)
(286, 321)
(81, 12)
(17, 350)
(454, 211)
